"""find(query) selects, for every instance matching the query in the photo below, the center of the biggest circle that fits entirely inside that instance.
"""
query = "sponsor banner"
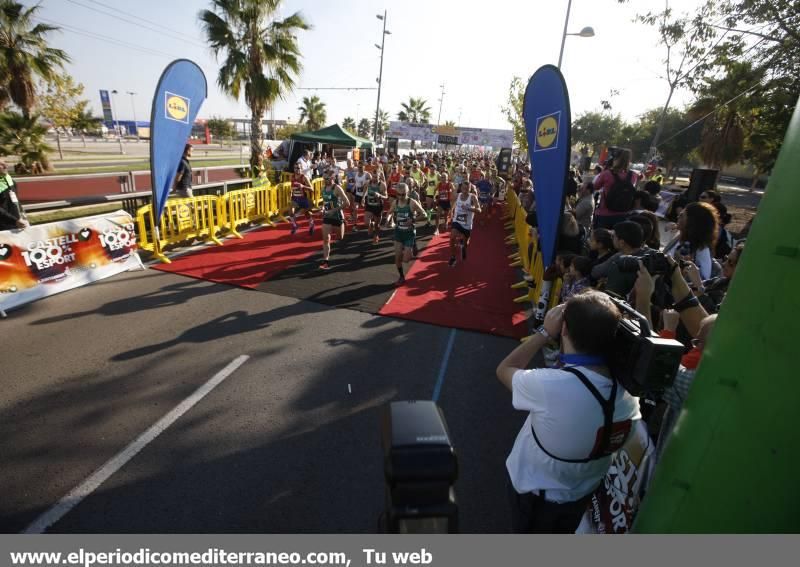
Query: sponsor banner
(547, 124)
(105, 102)
(429, 133)
(46, 259)
(177, 100)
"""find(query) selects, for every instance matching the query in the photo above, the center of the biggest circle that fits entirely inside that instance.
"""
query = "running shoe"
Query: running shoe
(400, 281)
(376, 239)
(294, 228)
(311, 227)
(452, 261)
(324, 265)
(436, 232)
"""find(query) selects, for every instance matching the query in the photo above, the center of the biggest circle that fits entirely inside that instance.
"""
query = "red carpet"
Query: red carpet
(248, 262)
(473, 295)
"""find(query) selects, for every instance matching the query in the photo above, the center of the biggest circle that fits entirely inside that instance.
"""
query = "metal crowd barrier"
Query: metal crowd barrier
(208, 217)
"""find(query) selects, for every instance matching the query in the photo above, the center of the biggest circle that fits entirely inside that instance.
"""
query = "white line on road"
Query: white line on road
(102, 474)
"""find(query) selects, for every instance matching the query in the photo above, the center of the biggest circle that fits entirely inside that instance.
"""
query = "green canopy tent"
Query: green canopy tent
(333, 135)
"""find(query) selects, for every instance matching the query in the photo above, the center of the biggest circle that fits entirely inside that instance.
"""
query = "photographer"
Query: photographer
(563, 450)
(628, 238)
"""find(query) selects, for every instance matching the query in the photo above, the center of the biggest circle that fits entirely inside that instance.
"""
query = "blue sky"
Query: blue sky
(473, 48)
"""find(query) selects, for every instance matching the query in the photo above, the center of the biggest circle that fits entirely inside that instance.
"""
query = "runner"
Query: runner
(334, 202)
(405, 210)
(430, 191)
(464, 209)
(301, 191)
(445, 192)
(485, 192)
(373, 205)
(475, 173)
(350, 176)
(362, 179)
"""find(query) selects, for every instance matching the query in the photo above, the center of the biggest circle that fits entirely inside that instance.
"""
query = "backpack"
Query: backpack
(620, 196)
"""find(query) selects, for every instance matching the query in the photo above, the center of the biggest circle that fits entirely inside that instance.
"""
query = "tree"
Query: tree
(689, 41)
(596, 129)
(60, 104)
(349, 124)
(677, 142)
(313, 113)
(364, 127)
(220, 128)
(24, 136)
(285, 132)
(450, 124)
(24, 53)
(728, 115)
(415, 110)
(383, 125)
(262, 57)
(84, 122)
(513, 112)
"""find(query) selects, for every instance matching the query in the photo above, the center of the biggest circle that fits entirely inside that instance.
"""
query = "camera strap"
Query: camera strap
(608, 419)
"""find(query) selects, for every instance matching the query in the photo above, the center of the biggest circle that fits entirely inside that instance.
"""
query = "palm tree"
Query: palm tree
(24, 53)
(262, 58)
(83, 121)
(724, 132)
(313, 113)
(24, 136)
(349, 124)
(364, 127)
(383, 124)
(450, 124)
(415, 111)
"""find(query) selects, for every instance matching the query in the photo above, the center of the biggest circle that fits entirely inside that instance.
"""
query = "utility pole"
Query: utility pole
(441, 100)
(133, 108)
(380, 74)
(115, 118)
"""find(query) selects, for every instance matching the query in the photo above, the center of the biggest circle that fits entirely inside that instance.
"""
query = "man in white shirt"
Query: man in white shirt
(564, 448)
(304, 162)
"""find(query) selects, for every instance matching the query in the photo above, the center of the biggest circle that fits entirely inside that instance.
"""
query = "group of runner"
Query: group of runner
(396, 194)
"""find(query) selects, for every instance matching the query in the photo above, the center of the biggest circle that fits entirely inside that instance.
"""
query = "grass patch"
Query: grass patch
(72, 213)
(135, 166)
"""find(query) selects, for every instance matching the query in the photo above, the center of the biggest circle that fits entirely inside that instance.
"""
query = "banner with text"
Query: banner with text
(46, 259)
(451, 135)
(179, 95)
(547, 127)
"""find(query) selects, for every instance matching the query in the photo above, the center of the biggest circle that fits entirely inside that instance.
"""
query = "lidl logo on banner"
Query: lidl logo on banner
(547, 132)
(176, 107)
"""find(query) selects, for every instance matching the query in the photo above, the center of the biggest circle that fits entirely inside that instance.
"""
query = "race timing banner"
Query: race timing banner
(179, 95)
(46, 259)
(547, 124)
(451, 135)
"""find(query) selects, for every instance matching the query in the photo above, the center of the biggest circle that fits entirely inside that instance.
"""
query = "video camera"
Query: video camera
(641, 361)
(656, 263)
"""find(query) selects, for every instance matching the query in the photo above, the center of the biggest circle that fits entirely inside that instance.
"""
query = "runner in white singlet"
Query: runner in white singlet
(464, 209)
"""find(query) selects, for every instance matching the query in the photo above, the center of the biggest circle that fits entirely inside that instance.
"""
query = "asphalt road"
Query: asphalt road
(289, 442)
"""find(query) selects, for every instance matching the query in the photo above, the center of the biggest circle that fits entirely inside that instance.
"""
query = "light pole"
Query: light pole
(588, 31)
(116, 120)
(133, 108)
(439, 119)
(380, 74)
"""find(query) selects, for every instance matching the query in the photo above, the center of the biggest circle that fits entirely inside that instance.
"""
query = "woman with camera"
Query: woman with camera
(617, 188)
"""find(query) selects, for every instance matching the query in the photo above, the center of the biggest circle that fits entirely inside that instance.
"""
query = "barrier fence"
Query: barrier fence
(210, 217)
(528, 257)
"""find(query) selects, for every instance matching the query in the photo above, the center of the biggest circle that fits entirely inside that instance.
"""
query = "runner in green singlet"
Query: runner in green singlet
(405, 211)
(372, 201)
(334, 201)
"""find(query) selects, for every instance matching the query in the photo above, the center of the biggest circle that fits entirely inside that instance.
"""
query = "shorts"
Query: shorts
(301, 202)
(405, 237)
(461, 229)
(359, 196)
(484, 199)
(444, 205)
(333, 221)
(376, 210)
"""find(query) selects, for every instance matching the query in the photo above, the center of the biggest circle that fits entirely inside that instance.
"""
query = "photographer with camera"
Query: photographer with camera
(617, 189)
(578, 415)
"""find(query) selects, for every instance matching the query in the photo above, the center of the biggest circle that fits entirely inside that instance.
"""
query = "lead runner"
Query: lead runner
(405, 211)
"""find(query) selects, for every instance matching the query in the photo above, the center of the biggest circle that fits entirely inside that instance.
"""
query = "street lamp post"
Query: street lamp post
(115, 119)
(588, 31)
(133, 108)
(380, 74)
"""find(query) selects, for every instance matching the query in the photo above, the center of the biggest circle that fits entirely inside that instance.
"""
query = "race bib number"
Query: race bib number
(461, 217)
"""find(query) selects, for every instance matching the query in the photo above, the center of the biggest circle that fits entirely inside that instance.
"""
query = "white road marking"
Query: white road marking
(349, 391)
(98, 477)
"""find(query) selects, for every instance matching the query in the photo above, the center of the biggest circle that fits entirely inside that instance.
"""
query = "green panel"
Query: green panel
(734, 460)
